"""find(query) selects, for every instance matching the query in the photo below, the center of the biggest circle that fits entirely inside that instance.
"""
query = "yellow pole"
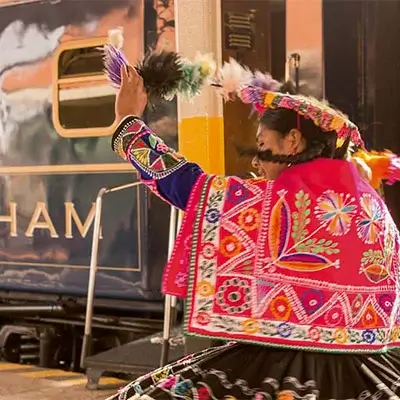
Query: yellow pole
(201, 128)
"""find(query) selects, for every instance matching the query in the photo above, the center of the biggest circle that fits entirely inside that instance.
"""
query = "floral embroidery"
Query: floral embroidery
(370, 220)
(372, 261)
(169, 382)
(386, 302)
(233, 295)
(219, 183)
(183, 388)
(281, 308)
(284, 330)
(340, 335)
(301, 217)
(314, 333)
(395, 334)
(162, 147)
(369, 336)
(212, 215)
(312, 300)
(230, 246)
(334, 316)
(181, 279)
(251, 326)
(270, 282)
(203, 393)
(305, 258)
(285, 395)
(160, 374)
(249, 219)
(208, 251)
(335, 211)
(205, 289)
(203, 318)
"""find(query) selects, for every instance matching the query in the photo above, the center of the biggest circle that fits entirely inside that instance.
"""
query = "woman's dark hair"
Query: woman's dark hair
(318, 143)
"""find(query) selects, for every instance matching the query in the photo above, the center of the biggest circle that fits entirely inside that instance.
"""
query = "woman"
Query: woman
(299, 267)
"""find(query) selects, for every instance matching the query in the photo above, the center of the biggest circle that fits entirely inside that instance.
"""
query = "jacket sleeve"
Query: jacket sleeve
(164, 171)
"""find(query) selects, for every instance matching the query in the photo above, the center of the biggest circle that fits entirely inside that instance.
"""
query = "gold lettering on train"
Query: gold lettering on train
(41, 212)
(72, 215)
(11, 219)
(41, 219)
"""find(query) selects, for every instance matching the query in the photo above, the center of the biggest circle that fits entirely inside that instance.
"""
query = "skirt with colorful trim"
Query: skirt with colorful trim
(242, 372)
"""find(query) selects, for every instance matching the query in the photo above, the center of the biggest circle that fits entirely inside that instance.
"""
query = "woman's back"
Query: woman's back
(307, 260)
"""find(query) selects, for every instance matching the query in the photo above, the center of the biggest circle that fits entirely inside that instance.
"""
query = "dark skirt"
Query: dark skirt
(243, 372)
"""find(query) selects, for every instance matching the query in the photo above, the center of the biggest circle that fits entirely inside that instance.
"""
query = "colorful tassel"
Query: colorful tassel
(385, 166)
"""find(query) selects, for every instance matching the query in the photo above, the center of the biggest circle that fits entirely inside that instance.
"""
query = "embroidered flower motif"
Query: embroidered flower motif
(230, 246)
(183, 388)
(203, 393)
(334, 316)
(181, 279)
(285, 395)
(284, 330)
(162, 147)
(237, 193)
(280, 308)
(395, 334)
(168, 382)
(369, 336)
(205, 289)
(314, 333)
(208, 251)
(219, 183)
(369, 318)
(251, 326)
(335, 211)
(369, 224)
(187, 243)
(212, 215)
(386, 302)
(234, 295)
(160, 374)
(249, 219)
(340, 335)
(312, 300)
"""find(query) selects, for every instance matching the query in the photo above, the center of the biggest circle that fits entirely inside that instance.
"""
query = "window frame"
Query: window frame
(57, 82)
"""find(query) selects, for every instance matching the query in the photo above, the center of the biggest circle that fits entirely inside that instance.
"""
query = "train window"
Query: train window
(83, 100)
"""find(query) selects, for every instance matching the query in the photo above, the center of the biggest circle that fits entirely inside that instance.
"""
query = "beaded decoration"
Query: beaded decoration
(327, 118)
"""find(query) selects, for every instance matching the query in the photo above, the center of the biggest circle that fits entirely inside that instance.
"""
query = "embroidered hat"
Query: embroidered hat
(263, 92)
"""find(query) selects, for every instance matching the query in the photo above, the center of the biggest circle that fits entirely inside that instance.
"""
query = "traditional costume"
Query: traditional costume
(299, 275)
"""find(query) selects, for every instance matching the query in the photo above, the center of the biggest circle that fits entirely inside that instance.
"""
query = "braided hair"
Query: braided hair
(318, 143)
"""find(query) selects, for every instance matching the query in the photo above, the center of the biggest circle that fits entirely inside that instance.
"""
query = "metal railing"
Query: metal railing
(170, 301)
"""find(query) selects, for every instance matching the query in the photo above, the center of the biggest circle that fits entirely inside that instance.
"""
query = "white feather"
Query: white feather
(231, 77)
(116, 37)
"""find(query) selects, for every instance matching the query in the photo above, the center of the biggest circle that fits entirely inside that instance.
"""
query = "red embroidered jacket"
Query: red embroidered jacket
(309, 260)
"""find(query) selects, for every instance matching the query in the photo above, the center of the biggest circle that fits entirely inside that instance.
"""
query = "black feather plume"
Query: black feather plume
(162, 73)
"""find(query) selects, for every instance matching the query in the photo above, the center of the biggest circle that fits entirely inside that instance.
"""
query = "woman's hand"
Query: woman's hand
(131, 98)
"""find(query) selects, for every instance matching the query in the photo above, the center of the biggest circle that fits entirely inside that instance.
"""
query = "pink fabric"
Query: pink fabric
(309, 260)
